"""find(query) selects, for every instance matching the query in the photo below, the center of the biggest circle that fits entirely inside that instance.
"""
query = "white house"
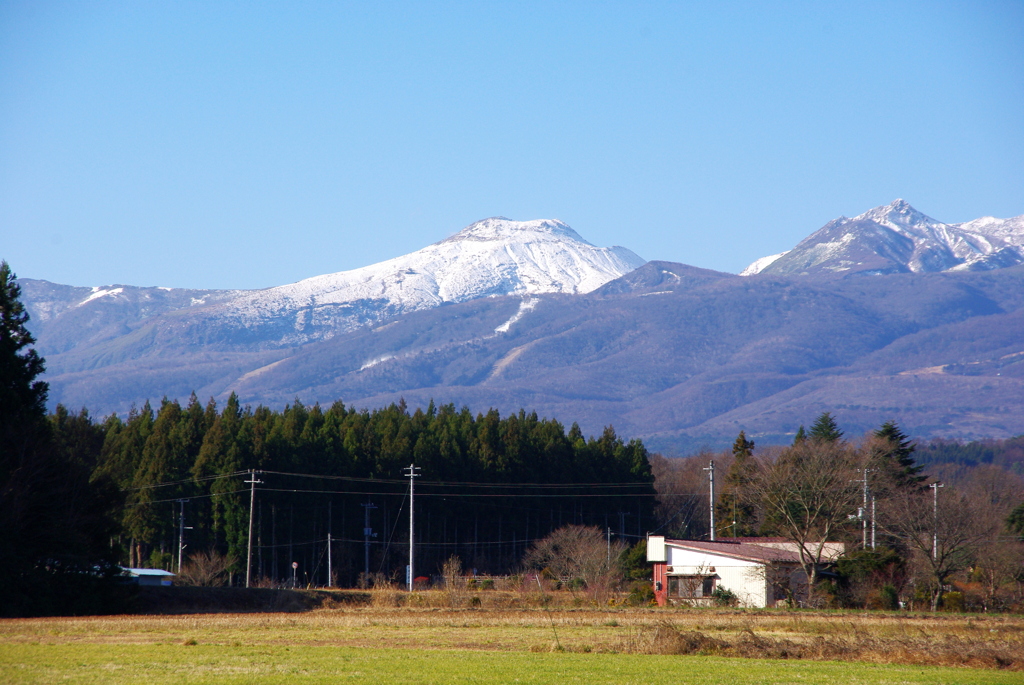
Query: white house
(760, 572)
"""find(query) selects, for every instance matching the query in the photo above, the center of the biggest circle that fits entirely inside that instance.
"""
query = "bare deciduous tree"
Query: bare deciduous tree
(807, 493)
(207, 569)
(577, 552)
(682, 486)
(944, 539)
(454, 581)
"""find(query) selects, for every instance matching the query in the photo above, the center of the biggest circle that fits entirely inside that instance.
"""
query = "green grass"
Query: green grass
(205, 663)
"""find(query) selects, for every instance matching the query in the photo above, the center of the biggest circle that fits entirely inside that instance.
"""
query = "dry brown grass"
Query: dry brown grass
(510, 621)
(946, 650)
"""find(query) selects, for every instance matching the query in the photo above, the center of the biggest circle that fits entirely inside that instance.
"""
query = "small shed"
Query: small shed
(758, 575)
(150, 576)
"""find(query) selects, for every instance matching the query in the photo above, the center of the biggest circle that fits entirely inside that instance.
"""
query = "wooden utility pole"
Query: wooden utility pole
(711, 475)
(412, 472)
(252, 503)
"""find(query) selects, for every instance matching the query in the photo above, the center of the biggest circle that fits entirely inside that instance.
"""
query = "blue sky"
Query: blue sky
(245, 145)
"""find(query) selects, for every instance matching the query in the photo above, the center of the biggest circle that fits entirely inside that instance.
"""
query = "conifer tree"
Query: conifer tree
(896, 448)
(22, 397)
(825, 429)
(55, 531)
(735, 504)
(800, 436)
(1015, 521)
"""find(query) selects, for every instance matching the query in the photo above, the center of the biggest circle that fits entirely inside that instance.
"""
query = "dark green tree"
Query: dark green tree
(800, 436)
(54, 546)
(22, 397)
(735, 505)
(825, 429)
(1015, 521)
(894, 451)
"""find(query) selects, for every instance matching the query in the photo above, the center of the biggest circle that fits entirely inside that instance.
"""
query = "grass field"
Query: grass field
(368, 644)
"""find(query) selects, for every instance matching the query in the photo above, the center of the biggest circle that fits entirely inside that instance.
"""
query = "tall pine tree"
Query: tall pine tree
(825, 429)
(55, 529)
(896, 449)
(736, 508)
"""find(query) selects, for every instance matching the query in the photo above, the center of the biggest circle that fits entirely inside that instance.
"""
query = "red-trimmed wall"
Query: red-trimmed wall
(661, 577)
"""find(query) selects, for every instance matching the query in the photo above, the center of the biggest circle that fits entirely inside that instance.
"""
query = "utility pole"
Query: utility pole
(935, 519)
(252, 504)
(181, 531)
(864, 511)
(330, 575)
(367, 534)
(711, 475)
(609, 561)
(412, 474)
(622, 522)
(872, 522)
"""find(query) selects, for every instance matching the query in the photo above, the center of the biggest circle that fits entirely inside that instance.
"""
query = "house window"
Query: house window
(691, 587)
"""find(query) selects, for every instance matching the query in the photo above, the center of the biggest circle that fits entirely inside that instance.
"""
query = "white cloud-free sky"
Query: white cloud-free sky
(246, 145)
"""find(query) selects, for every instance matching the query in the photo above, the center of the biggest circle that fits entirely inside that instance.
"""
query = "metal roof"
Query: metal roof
(147, 571)
(747, 551)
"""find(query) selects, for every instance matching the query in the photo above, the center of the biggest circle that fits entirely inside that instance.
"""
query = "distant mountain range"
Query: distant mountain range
(491, 257)
(897, 239)
(928, 331)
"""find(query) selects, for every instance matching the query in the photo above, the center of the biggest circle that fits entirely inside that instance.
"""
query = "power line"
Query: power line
(186, 481)
(461, 494)
(174, 499)
(390, 481)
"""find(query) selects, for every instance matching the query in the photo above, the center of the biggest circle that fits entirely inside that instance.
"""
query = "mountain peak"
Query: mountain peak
(494, 256)
(898, 214)
(896, 238)
(499, 228)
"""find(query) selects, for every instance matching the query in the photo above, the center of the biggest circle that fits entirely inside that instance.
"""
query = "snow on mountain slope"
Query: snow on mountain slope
(495, 256)
(898, 238)
(759, 265)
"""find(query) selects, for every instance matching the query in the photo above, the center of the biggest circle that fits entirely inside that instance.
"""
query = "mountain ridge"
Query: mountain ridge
(491, 257)
(898, 238)
(675, 354)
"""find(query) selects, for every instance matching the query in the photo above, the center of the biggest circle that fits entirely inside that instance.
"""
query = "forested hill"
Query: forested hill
(488, 486)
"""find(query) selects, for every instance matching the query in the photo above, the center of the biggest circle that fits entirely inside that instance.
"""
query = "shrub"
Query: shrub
(641, 594)
(207, 569)
(454, 582)
(724, 597)
(953, 601)
(890, 599)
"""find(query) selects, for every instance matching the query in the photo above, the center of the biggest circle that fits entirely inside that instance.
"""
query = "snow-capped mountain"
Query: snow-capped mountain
(898, 238)
(495, 256)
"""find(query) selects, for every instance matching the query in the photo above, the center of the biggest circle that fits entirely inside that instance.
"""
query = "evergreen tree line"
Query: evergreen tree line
(1007, 454)
(488, 485)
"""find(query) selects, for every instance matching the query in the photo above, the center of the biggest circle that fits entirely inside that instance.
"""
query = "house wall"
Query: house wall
(660, 584)
(157, 581)
(746, 579)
